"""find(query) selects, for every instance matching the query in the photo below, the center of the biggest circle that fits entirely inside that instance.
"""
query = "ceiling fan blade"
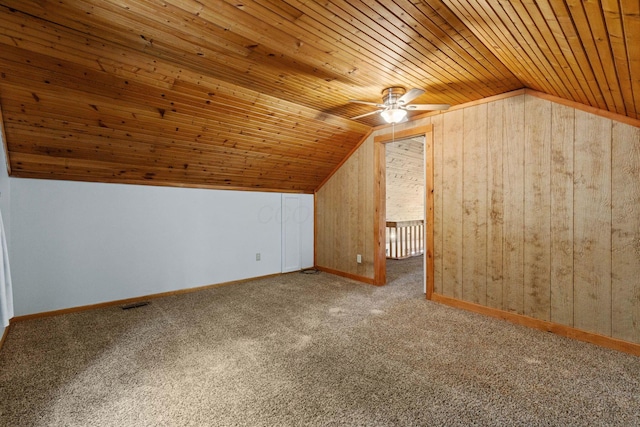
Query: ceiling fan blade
(365, 115)
(410, 96)
(367, 103)
(427, 107)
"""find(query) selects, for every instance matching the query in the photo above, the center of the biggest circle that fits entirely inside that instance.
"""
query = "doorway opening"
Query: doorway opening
(405, 207)
(416, 232)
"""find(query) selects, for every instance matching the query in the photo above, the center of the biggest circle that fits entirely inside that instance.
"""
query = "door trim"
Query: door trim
(380, 201)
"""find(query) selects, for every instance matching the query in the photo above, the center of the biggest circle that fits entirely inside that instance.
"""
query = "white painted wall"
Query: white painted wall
(77, 243)
(305, 218)
(290, 233)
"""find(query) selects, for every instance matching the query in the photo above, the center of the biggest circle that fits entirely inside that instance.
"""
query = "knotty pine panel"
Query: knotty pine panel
(583, 51)
(258, 141)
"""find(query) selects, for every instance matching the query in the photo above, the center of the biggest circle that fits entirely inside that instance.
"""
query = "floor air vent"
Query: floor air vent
(135, 305)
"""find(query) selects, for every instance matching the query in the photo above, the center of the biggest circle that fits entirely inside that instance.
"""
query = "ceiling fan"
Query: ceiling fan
(395, 104)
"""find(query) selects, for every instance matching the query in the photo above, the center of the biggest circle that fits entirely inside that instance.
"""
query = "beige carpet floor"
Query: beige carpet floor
(307, 350)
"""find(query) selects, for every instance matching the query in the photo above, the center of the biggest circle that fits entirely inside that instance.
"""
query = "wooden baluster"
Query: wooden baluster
(387, 241)
(395, 241)
(411, 237)
(404, 242)
(412, 248)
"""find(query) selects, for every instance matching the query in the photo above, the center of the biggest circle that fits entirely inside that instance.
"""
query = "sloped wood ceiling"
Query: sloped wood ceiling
(255, 94)
(580, 50)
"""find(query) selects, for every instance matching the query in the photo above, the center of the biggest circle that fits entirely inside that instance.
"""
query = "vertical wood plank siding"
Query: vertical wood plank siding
(513, 167)
(625, 221)
(345, 216)
(438, 169)
(452, 199)
(537, 212)
(474, 205)
(495, 207)
(592, 224)
(562, 139)
(562, 204)
(537, 207)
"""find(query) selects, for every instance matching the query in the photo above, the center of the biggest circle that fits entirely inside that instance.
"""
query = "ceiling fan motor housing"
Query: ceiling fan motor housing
(395, 104)
(391, 95)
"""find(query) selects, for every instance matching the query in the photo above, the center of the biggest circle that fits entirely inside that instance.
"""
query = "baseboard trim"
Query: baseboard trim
(368, 280)
(135, 299)
(4, 335)
(563, 330)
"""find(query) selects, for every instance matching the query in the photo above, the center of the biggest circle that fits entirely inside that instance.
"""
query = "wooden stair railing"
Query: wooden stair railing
(404, 239)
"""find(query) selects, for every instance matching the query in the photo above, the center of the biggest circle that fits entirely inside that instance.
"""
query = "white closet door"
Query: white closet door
(290, 233)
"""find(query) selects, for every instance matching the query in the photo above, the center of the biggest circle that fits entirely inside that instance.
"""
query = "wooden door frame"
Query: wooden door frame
(380, 197)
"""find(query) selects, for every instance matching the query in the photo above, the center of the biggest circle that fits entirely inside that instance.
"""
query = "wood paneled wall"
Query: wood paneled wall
(405, 180)
(538, 207)
(344, 216)
(537, 212)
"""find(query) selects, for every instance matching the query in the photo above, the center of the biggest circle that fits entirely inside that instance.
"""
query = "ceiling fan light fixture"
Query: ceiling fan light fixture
(393, 115)
(395, 103)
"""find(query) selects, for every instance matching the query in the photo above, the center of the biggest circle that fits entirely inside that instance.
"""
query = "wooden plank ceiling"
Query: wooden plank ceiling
(214, 93)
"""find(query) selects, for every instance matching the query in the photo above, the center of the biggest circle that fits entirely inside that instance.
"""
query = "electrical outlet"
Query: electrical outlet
(359, 259)
(258, 256)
